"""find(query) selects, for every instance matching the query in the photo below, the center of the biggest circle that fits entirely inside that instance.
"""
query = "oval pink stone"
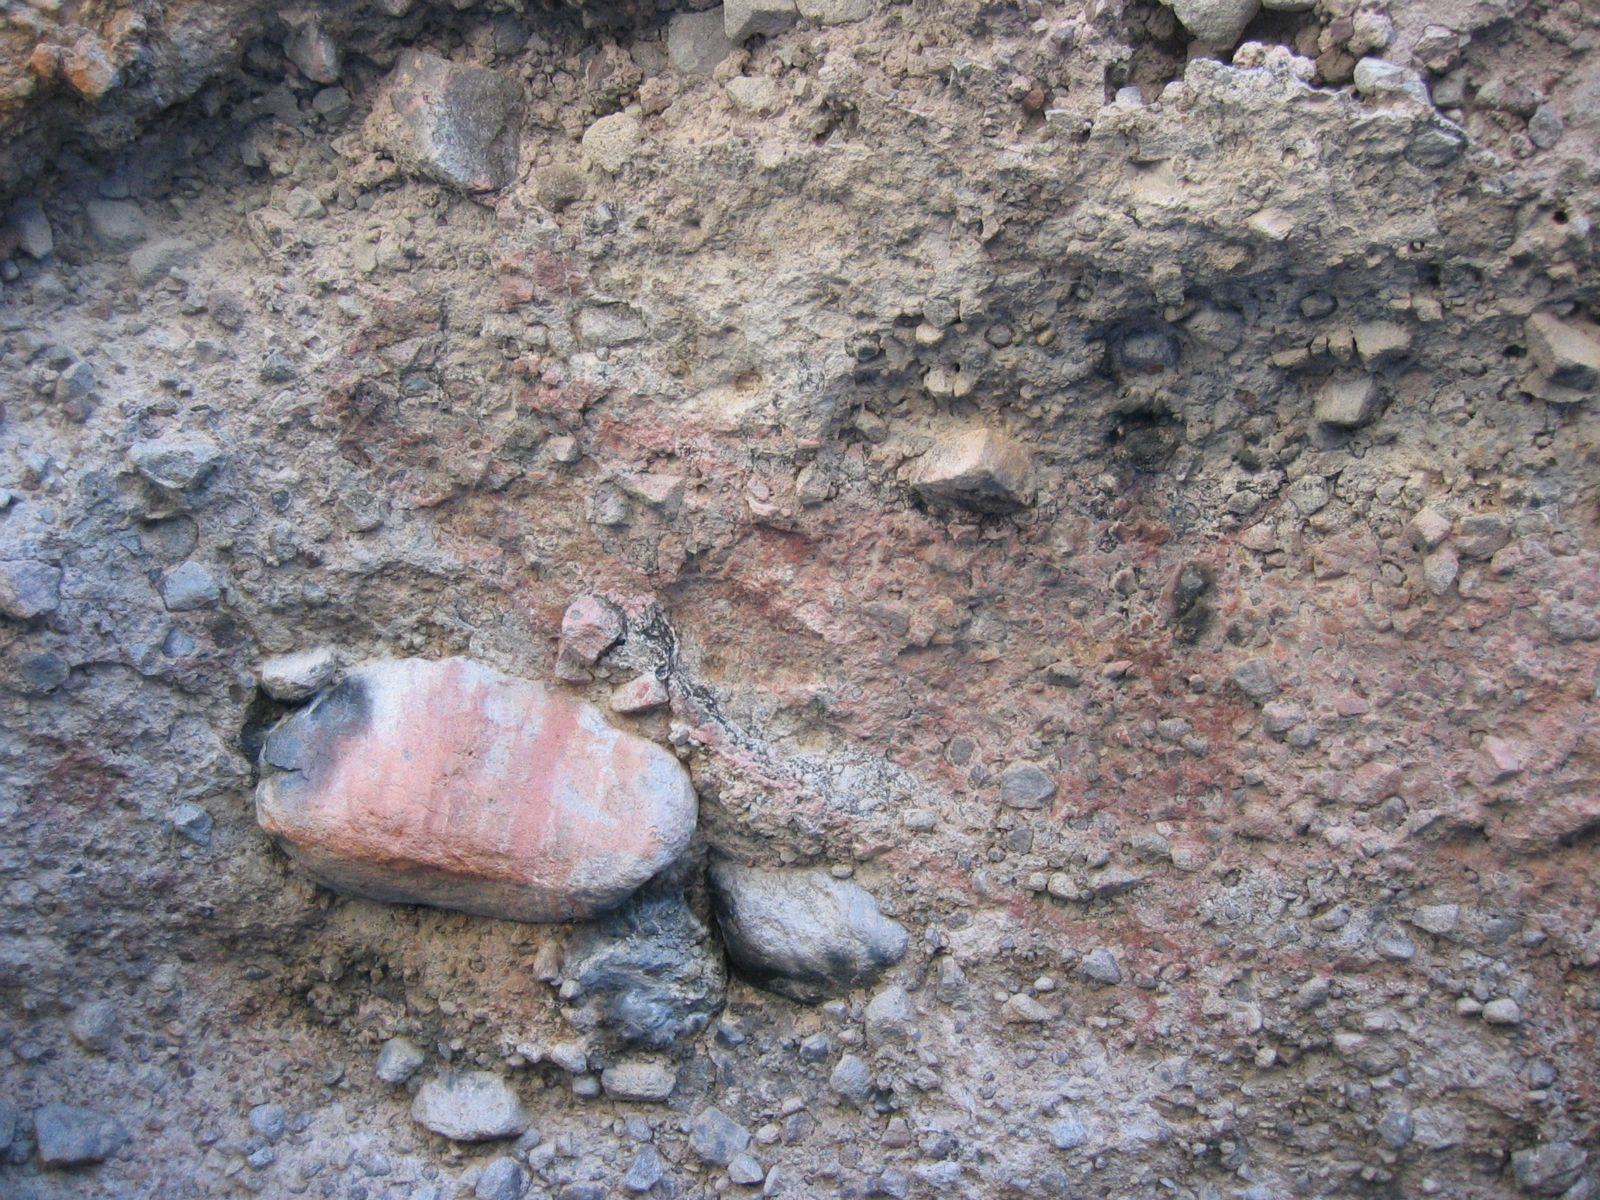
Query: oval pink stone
(451, 784)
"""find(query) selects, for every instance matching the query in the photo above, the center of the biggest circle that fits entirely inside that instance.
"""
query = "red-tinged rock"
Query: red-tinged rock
(448, 783)
(639, 695)
(976, 469)
(590, 627)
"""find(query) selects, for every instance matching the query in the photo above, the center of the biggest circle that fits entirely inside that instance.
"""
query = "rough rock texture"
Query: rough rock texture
(1224, 745)
(450, 123)
(469, 1106)
(803, 934)
(449, 783)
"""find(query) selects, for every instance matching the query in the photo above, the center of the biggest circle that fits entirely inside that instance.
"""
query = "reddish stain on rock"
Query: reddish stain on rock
(450, 784)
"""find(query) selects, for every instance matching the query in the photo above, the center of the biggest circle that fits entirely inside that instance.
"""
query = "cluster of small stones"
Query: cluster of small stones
(1157, 885)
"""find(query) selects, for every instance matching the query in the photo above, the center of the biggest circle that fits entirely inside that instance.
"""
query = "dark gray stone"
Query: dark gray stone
(503, 1179)
(645, 975)
(715, 1138)
(454, 124)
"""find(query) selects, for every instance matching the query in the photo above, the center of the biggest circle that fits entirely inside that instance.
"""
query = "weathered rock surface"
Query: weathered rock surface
(469, 1106)
(646, 975)
(447, 783)
(69, 1135)
(1316, 699)
(977, 469)
(454, 124)
(803, 934)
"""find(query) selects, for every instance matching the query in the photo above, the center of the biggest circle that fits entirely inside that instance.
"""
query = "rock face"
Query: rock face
(72, 1136)
(644, 975)
(469, 1106)
(454, 124)
(448, 783)
(977, 469)
(921, 399)
(803, 934)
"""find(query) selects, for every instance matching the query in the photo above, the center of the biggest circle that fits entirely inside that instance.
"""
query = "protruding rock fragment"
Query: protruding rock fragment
(316, 54)
(27, 223)
(835, 12)
(1216, 25)
(290, 678)
(611, 141)
(118, 224)
(28, 588)
(697, 42)
(1548, 1169)
(192, 822)
(1254, 678)
(1101, 966)
(71, 1136)
(1026, 785)
(589, 628)
(640, 1080)
(890, 1016)
(715, 1138)
(469, 1106)
(1567, 358)
(645, 693)
(190, 586)
(451, 784)
(743, 19)
(451, 123)
(803, 934)
(398, 1060)
(851, 1079)
(179, 463)
(503, 1179)
(976, 469)
(644, 975)
(1382, 342)
(1347, 401)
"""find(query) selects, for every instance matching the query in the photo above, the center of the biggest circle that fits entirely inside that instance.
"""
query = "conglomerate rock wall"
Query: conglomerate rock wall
(1099, 499)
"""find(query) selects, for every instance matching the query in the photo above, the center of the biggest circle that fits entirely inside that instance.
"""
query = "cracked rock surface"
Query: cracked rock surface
(856, 597)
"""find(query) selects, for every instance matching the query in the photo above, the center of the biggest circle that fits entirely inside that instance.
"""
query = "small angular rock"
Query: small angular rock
(716, 1139)
(289, 678)
(589, 628)
(398, 1060)
(1025, 785)
(179, 464)
(454, 124)
(803, 934)
(71, 1136)
(611, 141)
(976, 469)
(1548, 1169)
(188, 587)
(645, 693)
(743, 19)
(193, 822)
(1567, 354)
(639, 1080)
(469, 1106)
(28, 588)
(1347, 401)
(502, 1179)
(851, 1079)
(697, 42)
(1216, 25)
